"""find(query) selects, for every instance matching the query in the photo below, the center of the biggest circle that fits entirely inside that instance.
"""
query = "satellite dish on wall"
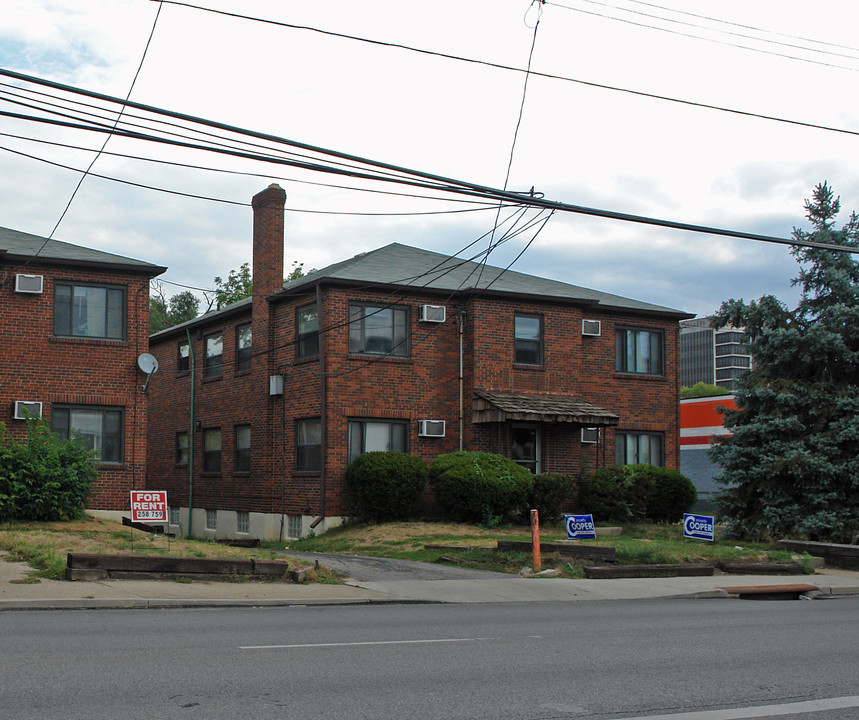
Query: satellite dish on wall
(148, 364)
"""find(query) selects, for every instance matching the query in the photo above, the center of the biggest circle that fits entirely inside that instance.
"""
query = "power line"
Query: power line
(706, 39)
(106, 140)
(390, 173)
(741, 25)
(535, 73)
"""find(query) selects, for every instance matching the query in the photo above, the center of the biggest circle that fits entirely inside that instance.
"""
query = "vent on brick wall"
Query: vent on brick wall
(25, 409)
(431, 428)
(432, 313)
(29, 283)
(591, 327)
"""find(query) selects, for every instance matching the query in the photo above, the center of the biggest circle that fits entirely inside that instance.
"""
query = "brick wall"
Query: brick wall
(37, 366)
(424, 385)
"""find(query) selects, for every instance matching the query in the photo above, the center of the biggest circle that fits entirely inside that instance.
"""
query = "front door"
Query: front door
(525, 447)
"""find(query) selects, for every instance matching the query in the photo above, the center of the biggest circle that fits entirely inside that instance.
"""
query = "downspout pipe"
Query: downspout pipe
(461, 379)
(191, 439)
(323, 413)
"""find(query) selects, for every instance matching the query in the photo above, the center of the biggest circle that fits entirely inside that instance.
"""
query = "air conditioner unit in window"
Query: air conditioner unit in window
(590, 435)
(431, 428)
(591, 327)
(29, 283)
(432, 313)
(25, 409)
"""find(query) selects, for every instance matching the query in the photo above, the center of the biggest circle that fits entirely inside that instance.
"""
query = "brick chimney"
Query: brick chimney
(268, 208)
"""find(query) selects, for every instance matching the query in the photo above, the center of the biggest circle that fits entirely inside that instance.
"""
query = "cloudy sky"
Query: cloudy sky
(583, 138)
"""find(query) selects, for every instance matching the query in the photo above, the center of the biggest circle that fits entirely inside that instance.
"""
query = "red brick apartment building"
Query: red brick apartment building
(259, 407)
(75, 320)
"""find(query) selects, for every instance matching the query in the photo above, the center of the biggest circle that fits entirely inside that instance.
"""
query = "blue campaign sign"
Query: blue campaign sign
(580, 527)
(699, 527)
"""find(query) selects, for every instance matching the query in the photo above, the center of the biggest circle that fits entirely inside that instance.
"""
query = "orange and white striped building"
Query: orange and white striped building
(700, 423)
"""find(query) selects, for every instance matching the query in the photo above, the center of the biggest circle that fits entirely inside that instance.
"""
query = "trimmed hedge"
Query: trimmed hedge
(551, 494)
(44, 477)
(629, 493)
(386, 485)
(480, 487)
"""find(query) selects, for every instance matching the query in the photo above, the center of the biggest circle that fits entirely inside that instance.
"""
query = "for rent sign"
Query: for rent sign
(699, 527)
(149, 506)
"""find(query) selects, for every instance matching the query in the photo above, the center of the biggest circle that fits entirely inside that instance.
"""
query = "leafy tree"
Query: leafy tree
(165, 313)
(791, 465)
(702, 389)
(239, 284)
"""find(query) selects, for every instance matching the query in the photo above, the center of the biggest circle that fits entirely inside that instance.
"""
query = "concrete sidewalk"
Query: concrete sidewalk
(17, 592)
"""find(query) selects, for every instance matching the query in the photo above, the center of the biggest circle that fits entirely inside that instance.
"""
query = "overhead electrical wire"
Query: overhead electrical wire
(539, 5)
(742, 25)
(704, 38)
(382, 171)
(106, 140)
(535, 73)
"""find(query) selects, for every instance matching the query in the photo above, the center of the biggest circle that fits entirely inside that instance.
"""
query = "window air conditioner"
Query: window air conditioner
(591, 327)
(29, 283)
(431, 428)
(590, 435)
(25, 409)
(432, 313)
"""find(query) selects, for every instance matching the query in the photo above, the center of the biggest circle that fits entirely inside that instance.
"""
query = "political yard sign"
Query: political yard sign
(580, 527)
(149, 506)
(699, 527)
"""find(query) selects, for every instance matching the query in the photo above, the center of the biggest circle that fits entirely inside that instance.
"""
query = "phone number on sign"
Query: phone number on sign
(150, 514)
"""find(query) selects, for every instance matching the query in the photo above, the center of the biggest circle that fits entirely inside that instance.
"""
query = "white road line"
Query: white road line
(760, 711)
(357, 644)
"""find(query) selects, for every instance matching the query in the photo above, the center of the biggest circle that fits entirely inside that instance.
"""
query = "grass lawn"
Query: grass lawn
(638, 544)
(45, 545)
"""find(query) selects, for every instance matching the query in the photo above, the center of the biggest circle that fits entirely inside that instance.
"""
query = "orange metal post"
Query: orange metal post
(535, 541)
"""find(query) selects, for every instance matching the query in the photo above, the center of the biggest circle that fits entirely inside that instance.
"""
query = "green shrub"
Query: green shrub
(615, 494)
(671, 494)
(630, 493)
(480, 487)
(551, 494)
(44, 477)
(386, 485)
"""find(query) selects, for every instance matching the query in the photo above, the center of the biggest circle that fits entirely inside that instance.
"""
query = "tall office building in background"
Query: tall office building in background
(716, 356)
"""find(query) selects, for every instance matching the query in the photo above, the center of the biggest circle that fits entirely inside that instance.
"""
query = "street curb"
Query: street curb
(168, 603)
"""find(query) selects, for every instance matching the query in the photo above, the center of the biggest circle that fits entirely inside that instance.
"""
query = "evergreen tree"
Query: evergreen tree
(791, 465)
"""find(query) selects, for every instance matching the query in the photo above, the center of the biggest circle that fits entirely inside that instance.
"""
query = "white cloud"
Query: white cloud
(577, 143)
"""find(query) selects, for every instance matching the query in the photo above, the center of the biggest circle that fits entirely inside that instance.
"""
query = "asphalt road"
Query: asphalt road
(589, 661)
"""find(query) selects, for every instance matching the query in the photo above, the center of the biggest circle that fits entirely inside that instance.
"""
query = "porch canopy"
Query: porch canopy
(502, 407)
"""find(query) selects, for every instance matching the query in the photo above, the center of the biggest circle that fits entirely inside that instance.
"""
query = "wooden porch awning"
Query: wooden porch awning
(501, 407)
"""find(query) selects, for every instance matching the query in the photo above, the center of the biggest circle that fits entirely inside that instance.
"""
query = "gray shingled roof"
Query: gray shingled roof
(402, 265)
(16, 244)
(499, 407)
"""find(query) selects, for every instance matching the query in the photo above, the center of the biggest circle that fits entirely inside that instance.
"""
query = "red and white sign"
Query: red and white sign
(149, 506)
